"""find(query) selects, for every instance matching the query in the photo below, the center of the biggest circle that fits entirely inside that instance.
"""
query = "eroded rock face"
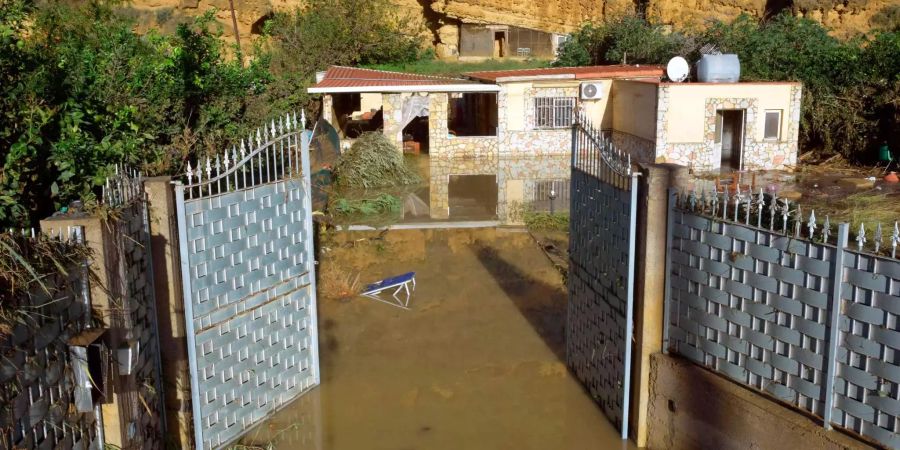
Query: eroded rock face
(438, 20)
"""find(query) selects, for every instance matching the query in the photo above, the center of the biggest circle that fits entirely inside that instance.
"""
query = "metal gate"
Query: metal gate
(601, 270)
(247, 266)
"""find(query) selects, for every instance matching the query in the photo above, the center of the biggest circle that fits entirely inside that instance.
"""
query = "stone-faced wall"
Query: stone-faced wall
(758, 154)
(392, 113)
(443, 145)
(532, 141)
(640, 149)
(328, 109)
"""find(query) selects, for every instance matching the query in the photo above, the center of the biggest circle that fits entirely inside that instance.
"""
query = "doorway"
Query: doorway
(499, 44)
(730, 137)
(473, 197)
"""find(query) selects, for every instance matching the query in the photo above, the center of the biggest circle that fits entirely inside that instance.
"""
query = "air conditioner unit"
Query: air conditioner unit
(591, 91)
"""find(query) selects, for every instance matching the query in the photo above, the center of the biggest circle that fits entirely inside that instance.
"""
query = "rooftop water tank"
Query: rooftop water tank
(719, 69)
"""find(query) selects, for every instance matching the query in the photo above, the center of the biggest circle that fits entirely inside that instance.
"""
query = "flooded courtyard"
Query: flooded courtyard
(476, 362)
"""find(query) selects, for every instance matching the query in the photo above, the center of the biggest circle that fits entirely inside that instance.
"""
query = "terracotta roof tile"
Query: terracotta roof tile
(339, 76)
(578, 73)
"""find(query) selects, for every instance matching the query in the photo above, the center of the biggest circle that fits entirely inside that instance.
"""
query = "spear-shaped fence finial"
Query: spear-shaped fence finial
(895, 239)
(878, 238)
(811, 224)
(861, 236)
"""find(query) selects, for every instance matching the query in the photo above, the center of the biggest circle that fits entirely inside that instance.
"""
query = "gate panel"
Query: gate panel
(245, 236)
(601, 270)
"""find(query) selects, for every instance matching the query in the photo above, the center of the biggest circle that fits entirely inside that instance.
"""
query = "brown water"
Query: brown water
(477, 363)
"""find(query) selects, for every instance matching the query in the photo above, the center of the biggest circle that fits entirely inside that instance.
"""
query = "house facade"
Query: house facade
(512, 129)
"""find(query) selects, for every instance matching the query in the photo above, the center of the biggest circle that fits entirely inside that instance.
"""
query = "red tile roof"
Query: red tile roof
(344, 78)
(578, 73)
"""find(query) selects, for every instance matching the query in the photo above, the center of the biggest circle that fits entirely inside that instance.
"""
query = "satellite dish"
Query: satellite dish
(678, 70)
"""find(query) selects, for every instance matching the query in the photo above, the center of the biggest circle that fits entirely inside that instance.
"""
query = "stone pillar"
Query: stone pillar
(328, 109)
(392, 113)
(650, 285)
(170, 310)
(438, 192)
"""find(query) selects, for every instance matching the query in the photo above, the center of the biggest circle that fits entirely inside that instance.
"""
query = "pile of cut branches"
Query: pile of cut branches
(373, 162)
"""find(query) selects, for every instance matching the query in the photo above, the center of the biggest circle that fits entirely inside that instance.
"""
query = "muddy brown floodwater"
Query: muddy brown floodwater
(476, 363)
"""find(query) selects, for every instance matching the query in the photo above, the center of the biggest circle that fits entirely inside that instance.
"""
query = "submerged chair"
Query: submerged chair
(400, 283)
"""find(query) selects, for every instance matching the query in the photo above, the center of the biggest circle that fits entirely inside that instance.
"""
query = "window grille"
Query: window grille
(540, 200)
(553, 112)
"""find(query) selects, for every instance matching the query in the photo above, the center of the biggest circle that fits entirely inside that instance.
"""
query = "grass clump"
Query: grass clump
(33, 268)
(381, 204)
(544, 221)
(373, 162)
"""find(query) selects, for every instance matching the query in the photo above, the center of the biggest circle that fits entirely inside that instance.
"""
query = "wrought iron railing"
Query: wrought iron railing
(595, 154)
(272, 154)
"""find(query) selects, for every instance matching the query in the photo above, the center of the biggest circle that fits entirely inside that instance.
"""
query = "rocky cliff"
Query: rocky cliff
(442, 17)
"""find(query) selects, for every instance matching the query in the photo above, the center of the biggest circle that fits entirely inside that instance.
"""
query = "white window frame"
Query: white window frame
(777, 127)
(551, 113)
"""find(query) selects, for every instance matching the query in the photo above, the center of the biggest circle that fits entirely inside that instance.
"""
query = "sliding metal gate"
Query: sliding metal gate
(245, 237)
(601, 270)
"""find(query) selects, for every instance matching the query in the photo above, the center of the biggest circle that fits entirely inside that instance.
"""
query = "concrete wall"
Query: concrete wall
(686, 123)
(170, 310)
(692, 408)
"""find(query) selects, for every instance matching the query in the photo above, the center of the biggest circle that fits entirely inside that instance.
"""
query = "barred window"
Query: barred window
(544, 189)
(553, 112)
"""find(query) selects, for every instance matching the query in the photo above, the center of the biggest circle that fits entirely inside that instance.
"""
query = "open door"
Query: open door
(730, 139)
(499, 44)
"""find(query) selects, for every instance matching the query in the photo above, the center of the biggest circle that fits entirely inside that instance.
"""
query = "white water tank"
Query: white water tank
(719, 69)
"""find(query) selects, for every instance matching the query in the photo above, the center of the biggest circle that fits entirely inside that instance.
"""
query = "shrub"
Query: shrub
(544, 221)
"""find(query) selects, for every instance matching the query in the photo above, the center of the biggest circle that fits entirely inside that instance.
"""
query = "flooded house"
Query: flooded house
(498, 140)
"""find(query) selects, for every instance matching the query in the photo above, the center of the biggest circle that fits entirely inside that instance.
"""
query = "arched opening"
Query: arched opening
(259, 26)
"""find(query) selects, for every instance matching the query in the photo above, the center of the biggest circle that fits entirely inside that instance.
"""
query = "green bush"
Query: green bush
(80, 91)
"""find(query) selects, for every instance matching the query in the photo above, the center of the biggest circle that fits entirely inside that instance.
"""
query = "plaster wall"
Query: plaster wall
(369, 101)
(634, 104)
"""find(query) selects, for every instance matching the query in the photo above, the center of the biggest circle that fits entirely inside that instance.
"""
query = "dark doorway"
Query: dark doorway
(730, 134)
(473, 197)
(499, 44)
(415, 136)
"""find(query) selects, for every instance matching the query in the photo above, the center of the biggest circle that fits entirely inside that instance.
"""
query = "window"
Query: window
(553, 112)
(472, 114)
(772, 128)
